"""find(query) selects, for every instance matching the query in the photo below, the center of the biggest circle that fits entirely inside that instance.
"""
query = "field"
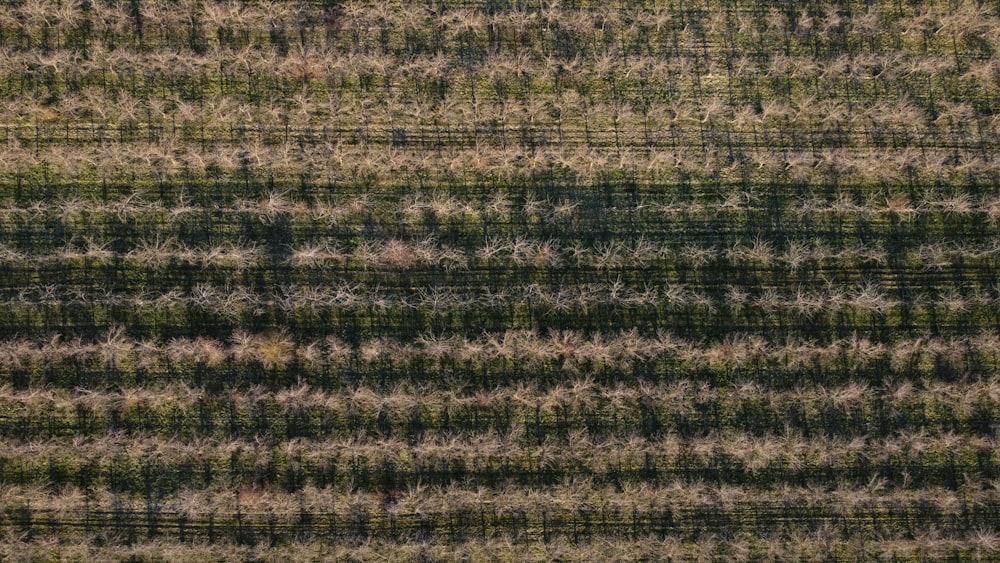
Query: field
(499, 280)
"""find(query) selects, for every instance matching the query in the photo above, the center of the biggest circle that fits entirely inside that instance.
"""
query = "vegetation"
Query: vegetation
(691, 279)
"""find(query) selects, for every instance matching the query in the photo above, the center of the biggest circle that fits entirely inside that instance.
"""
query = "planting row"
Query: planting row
(361, 314)
(473, 208)
(523, 516)
(809, 545)
(274, 359)
(409, 412)
(497, 255)
(154, 468)
(39, 172)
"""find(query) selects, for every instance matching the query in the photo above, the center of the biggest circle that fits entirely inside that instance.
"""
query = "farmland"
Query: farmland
(499, 280)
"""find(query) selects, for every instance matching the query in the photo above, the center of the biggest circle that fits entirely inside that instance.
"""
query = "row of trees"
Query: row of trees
(793, 545)
(331, 207)
(136, 465)
(501, 253)
(867, 298)
(802, 311)
(690, 511)
(570, 350)
(573, 396)
(332, 163)
(686, 409)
